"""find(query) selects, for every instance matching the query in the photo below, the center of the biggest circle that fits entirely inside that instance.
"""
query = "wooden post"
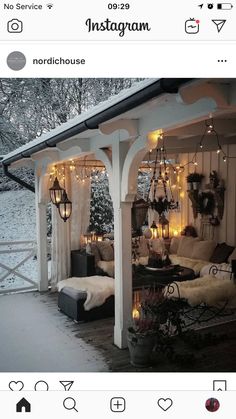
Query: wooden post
(123, 272)
(41, 224)
(122, 244)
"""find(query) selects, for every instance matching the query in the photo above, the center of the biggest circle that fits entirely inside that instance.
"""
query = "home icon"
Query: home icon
(23, 406)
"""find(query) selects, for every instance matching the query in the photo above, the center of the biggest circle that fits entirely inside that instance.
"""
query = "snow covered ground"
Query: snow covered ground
(18, 223)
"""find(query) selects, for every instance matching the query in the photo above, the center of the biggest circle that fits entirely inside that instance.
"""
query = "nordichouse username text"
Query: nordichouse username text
(121, 27)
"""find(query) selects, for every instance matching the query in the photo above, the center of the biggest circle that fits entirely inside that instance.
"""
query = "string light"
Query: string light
(209, 129)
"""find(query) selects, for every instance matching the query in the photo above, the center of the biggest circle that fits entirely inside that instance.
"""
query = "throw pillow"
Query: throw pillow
(106, 250)
(221, 253)
(95, 251)
(232, 256)
(185, 247)
(203, 249)
(174, 244)
(108, 267)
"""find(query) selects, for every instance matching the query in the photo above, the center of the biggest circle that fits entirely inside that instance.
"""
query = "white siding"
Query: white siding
(208, 161)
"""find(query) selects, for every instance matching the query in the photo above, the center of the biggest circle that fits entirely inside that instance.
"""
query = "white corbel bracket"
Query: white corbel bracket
(129, 125)
(217, 91)
(134, 157)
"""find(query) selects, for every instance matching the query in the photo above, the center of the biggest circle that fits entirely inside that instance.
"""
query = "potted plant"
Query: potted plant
(142, 335)
(194, 180)
(160, 321)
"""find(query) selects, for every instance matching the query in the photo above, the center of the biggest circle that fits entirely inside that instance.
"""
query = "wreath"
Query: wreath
(206, 203)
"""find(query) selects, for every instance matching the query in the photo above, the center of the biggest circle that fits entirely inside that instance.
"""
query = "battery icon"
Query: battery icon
(224, 6)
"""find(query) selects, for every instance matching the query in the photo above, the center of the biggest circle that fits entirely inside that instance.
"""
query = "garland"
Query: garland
(206, 203)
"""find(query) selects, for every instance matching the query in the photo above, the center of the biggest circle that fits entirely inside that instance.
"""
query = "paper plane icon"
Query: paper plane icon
(201, 5)
(219, 23)
(67, 385)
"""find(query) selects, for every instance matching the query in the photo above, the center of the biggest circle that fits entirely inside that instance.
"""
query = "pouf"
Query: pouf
(71, 303)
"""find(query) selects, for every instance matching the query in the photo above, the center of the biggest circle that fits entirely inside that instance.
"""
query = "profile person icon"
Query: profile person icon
(212, 405)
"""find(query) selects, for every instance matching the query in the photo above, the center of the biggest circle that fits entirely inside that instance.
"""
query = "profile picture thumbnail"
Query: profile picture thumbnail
(212, 405)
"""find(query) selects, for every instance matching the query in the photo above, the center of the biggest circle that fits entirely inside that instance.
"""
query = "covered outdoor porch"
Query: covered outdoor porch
(120, 134)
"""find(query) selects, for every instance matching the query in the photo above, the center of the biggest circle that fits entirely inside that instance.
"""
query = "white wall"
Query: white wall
(208, 161)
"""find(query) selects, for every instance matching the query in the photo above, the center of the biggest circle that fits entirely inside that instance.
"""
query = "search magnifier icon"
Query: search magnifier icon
(70, 404)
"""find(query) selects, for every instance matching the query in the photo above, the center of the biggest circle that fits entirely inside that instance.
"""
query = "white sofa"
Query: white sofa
(194, 253)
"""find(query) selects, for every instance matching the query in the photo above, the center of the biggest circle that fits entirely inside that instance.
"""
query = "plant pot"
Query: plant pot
(140, 348)
(196, 185)
(189, 186)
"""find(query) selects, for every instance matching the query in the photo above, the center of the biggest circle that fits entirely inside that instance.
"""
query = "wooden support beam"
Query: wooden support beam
(122, 244)
(41, 224)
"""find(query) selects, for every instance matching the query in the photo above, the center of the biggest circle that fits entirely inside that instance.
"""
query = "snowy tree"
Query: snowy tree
(30, 107)
(101, 209)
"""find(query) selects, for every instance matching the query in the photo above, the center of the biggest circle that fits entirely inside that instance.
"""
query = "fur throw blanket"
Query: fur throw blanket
(98, 288)
(207, 289)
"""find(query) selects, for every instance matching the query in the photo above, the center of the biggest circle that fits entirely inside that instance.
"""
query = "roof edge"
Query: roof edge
(136, 99)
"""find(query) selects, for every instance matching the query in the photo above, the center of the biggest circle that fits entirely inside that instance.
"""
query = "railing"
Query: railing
(15, 255)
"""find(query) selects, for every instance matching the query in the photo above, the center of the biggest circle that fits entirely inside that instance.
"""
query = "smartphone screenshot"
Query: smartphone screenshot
(117, 209)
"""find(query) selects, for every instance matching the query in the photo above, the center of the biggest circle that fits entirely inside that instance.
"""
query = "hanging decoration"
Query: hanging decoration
(209, 201)
(56, 192)
(81, 170)
(163, 199)
(65, 207)
(164, 190)
(209, 129)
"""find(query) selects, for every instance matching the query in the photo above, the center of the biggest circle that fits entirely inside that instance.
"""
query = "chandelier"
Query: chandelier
(161, 196)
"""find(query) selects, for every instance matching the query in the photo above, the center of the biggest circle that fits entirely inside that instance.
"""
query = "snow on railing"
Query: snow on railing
(18, 265)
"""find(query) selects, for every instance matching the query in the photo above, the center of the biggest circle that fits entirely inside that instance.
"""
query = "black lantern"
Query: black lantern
(154, 230)
(165, 230)
(139, 213)
(56, 192)
(65, 207)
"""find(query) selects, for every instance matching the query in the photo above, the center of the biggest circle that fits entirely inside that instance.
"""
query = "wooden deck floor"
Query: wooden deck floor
(217, 357)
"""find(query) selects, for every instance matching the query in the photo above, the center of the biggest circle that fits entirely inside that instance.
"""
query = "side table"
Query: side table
(82, 264)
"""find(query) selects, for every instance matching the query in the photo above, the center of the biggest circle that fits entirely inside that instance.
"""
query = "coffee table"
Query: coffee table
(144, 278)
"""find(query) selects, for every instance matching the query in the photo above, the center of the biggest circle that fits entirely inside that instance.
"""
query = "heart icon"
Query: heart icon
(165, 404)
(16, 385)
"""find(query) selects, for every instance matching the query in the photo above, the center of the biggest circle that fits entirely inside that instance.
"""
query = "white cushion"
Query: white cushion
(203, 249)
(107, 266)
(174, 244)
(220, 274)
(186, 246)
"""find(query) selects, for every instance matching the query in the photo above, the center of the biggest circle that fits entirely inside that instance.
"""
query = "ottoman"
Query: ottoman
(71, 303)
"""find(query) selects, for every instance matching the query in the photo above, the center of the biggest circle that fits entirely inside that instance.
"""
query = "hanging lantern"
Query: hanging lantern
(165, 227)
(56, 192)
(139, 213)
(154, 230)
(65, 207)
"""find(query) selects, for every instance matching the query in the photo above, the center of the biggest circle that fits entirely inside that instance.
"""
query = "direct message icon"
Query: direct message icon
(165, 404)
